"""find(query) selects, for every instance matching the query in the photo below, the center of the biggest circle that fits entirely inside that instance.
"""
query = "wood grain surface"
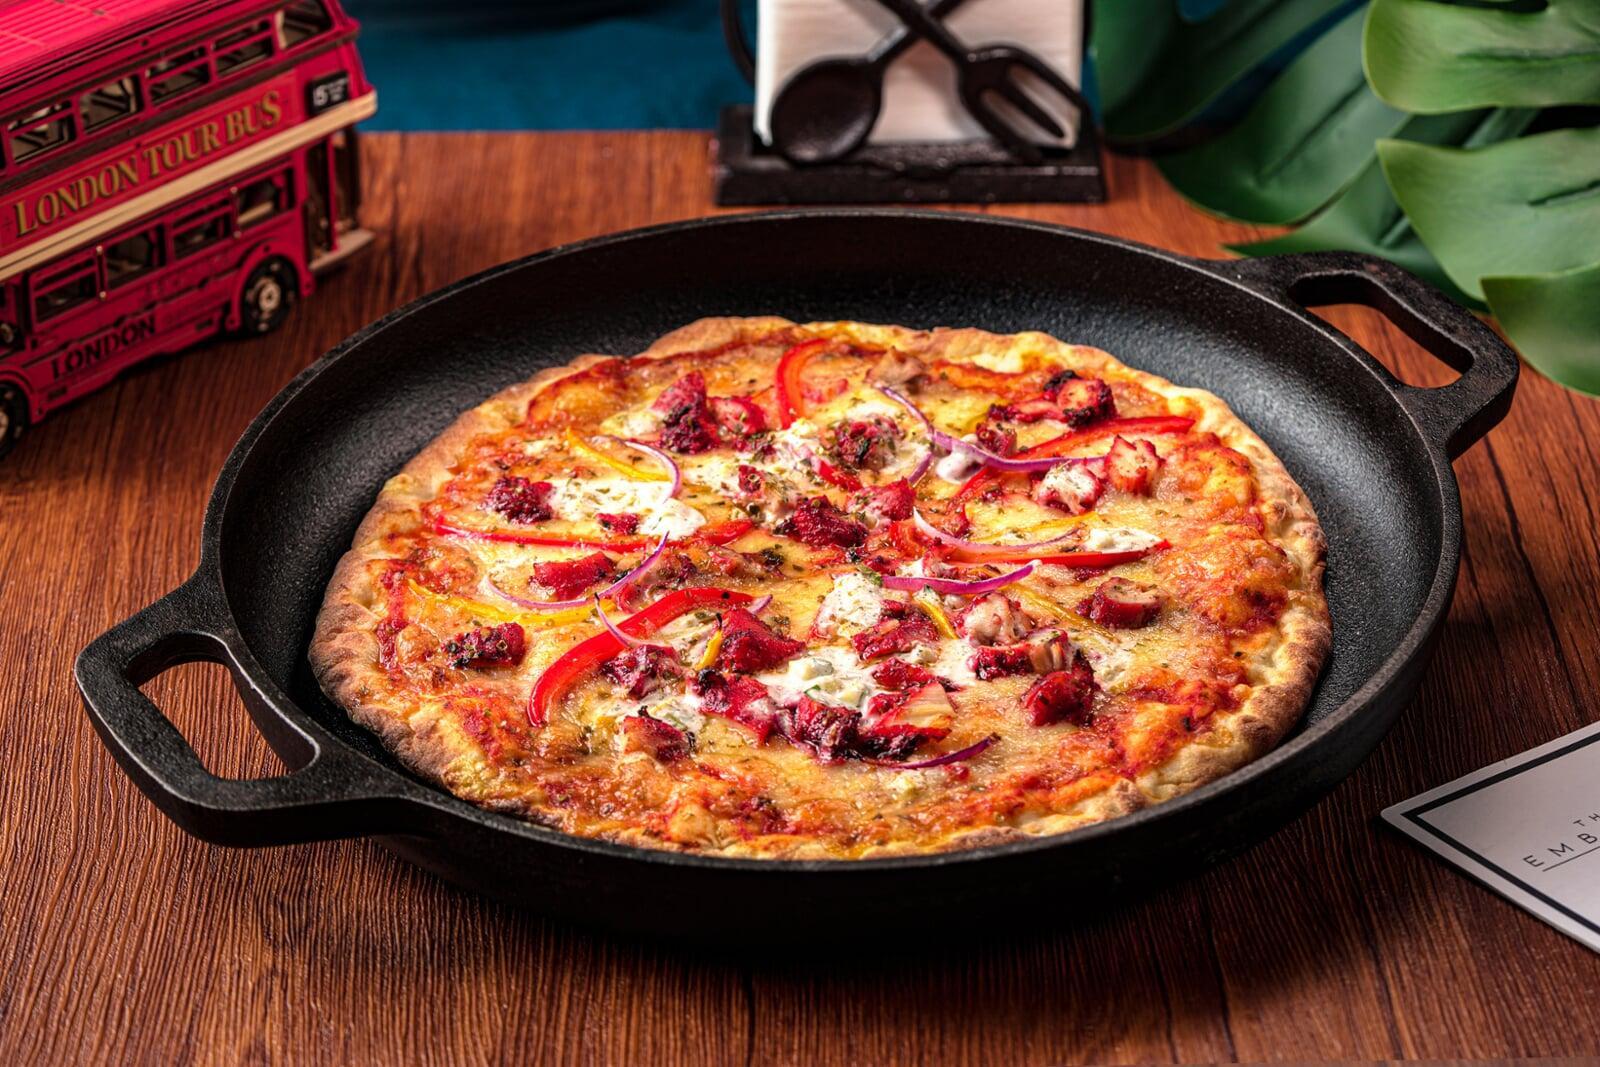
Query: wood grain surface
(125, 941)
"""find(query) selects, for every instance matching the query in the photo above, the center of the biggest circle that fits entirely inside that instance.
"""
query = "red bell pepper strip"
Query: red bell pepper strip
(791, 404)
(1057, 445)
(834, 476)
(1138, 424)
(970, 376)
(722, 533)
(586, 655)
(717, 533)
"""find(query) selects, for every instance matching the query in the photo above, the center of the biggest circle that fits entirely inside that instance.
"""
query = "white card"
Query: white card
(1527, 827)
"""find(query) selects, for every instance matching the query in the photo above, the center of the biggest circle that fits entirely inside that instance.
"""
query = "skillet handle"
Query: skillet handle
(331, 795)
(1453, 415)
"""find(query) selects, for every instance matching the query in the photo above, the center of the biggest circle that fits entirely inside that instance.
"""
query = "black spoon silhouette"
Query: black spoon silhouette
(825, 110)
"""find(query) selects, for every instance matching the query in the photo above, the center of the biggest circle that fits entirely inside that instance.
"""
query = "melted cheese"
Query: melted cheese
(829, 673)
(641, 422)
(1111, 539)
(870, 402)
(957, 467)
(681, 710)
(674, 519)
(580, 500)
(1006, 361)
(953, 662)
(717, 472)
(498, 557)
(793, 455)
(1110, 655)
(855, 603)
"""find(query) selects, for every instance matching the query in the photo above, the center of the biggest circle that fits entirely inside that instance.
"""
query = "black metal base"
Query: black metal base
(972, 172)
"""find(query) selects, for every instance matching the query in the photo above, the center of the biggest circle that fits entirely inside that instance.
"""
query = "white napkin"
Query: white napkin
(919, 88)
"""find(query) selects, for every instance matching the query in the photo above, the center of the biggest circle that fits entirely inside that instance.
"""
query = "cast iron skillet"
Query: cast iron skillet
(1373, 453)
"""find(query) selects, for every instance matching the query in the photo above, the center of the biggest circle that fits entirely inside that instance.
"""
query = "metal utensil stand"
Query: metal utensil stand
(967, 172)
(748, 172)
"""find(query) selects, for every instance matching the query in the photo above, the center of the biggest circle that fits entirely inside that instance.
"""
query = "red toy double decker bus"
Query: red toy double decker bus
(169, 169)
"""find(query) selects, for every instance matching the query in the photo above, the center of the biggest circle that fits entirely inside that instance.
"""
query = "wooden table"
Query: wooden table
(125, 941)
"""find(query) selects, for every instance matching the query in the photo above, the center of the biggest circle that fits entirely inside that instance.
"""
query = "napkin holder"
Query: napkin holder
(978, 170)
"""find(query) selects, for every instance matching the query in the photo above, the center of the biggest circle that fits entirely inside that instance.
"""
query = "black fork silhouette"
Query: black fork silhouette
(989, 70)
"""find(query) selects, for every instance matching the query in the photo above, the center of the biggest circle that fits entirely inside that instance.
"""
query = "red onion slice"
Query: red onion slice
(921, 468)
(666, 461)
(611, 627)
(614, 588)
(938, 436)
(940, 761)
(984, 546)
(910, 583)
(757, 606)
(488, 585)
(951, 443)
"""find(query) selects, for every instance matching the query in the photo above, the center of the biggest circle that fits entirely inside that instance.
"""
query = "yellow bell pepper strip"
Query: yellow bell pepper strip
(643, 474)
(541, 620)
(713, 646)
(580, 659)
(928, 601)
(1042, 605)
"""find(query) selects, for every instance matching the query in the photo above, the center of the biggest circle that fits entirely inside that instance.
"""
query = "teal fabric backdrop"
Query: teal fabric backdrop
(556, 64)
(567, 64)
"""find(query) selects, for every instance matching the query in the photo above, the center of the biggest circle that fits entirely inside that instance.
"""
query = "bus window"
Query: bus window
(107, 103)
(65, 288)
(261, 199)
(127, 259)
(242, 47)
(346, 179)
(40, 130)
(10, 331)
(177, 74)
(301, 21)
(198, 231)
(319, 227)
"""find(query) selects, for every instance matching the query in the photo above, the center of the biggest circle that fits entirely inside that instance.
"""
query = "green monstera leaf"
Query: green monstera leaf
(1309, 135)
(1399, 129)
(1128, 39)
(1515, 224)
(1554, 319)
(1429, 56)
(1367, 218)
(1158, 71)
(1528, 206)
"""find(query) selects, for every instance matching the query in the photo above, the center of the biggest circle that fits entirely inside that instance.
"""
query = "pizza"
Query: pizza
(832, 590)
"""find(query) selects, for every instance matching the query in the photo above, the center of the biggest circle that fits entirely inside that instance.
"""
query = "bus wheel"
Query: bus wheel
(268, 295)
(13, 416)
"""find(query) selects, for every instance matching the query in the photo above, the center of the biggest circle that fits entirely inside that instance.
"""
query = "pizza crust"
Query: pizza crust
(344, 656)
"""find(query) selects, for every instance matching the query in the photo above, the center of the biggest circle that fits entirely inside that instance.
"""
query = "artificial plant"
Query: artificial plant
(1449, 136)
